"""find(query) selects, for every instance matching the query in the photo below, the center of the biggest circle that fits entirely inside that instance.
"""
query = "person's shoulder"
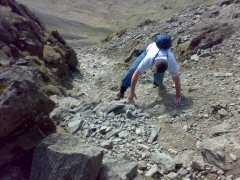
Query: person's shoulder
(150, 45)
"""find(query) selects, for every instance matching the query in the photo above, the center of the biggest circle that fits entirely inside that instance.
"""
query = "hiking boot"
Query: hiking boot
(154, 84)
(119, 96)
(161, 86)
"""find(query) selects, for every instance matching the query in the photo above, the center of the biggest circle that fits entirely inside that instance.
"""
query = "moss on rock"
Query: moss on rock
(51, 90)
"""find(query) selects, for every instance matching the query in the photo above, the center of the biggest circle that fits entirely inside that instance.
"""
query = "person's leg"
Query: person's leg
(158, 82)
(126, 82)
(158, 79)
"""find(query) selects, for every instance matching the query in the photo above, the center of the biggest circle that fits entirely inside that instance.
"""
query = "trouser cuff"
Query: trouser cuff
(123, 89)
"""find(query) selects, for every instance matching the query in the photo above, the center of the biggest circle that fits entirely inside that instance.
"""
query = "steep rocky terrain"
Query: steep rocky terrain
(199, 139)
(151, 138)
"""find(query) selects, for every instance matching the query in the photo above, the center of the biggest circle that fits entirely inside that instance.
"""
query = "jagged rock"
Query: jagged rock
(182, 172)
(33, 40)
(118, 169)
(221, 74)
(221, 128)
(236, 15)
(195, 58)
(58, 37)
(20, 103)
(24, 108)
(129, 114)
(107, 144)
(153, 135)
(112, 133)
(172, 176)
(18, 145)
(225, 2)
(185, 158)
(22, 33)
(164, 160)
(222, 113)
(215, 150)
(198, 163)
(116, 108)
(16, 73)
(45, 124)
(153, 170)
(211, 36)
(61, 156)
(208, 37)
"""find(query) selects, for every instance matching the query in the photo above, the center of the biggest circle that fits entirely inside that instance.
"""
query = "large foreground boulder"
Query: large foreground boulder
(65, 157)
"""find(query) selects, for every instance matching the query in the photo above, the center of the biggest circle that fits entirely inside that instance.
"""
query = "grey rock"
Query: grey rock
(129, 114)
(233, 156)
(75, 125)
(221, 128)
(107, 144)
(118, 169)
(117, 108)
(112, 133)
(213, 152)
(61, 156)
(103, 129)
(13, 149)
(153, 135)
(221, 74)
(16, 109)
(172, 176)
(153, 170)
(223, 112)
(164, 160)
(198, 163)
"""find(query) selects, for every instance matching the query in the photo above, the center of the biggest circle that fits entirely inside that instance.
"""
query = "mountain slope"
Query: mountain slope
(200, 138)
(112, 15)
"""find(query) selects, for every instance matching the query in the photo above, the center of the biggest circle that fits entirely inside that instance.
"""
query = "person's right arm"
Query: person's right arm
(135, 77)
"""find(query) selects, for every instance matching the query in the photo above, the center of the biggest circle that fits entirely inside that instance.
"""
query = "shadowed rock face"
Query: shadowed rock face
(31, 59)
(22, 34)
(21, 102)
(20, 28)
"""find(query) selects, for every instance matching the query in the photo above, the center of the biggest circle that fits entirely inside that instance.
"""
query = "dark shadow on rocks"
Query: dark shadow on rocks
(18, 169)
(166, 105)
(76, 74)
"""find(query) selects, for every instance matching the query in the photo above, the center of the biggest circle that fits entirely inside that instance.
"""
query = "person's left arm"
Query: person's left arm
(177, 98)
(174, 70)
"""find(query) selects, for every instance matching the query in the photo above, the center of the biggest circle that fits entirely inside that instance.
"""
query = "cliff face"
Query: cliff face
(34, 63)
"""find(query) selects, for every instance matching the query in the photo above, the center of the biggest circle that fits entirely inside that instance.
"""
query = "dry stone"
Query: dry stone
(216, 151)
(65, 157)
(118, 169)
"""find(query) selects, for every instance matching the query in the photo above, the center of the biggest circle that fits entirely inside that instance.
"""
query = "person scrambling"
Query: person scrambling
(158, 57)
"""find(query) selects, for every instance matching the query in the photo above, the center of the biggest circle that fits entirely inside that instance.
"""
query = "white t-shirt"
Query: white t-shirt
(155, 54)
